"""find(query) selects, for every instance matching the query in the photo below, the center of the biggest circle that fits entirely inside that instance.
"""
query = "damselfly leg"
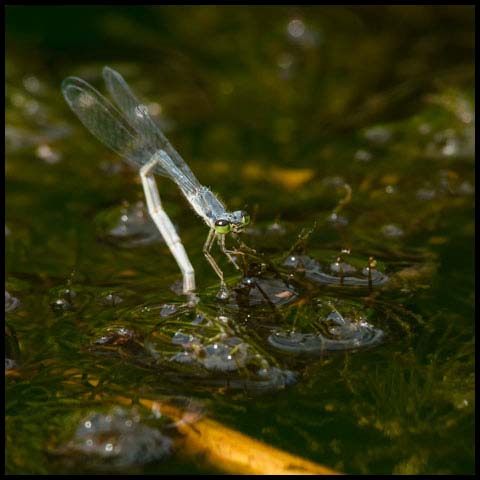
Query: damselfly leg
(165, 226)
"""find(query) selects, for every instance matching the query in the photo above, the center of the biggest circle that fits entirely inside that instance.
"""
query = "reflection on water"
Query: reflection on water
(128, 226)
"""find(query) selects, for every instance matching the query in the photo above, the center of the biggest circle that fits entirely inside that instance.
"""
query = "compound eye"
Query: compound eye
(222, 226)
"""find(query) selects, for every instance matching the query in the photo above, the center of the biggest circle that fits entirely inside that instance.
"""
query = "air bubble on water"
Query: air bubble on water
(11, 302)
(333, 181)
(180, 338)
(18, 99)
(301, 34)
(182, 357)
(466, 188)
(276, 228)
(48, 154)
(424, 128)
(425, 193)
(339, 220)
(10, 364)
(296, 28)
(392, 231)
(167, 310)
(111, 300)
(336, 318)
(369, 271)
(344, 334)
(199, 318)
(378, 134)
(342, 267)
(61, 304)
(450, 148)
(134, 227)
(32, 84)
(31, 107)
(362, 156)
(285, 61)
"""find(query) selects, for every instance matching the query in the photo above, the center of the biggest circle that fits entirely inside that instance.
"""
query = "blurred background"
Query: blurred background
(276, 109)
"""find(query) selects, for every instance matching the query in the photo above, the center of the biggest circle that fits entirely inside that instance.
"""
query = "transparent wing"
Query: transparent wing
(104, 121)
(139, 119)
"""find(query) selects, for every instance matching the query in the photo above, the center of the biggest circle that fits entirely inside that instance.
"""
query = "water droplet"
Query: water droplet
(296, 28)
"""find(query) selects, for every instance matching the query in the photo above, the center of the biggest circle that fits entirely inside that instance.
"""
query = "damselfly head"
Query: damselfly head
(234, 222)
(240, 219)
(223, 226)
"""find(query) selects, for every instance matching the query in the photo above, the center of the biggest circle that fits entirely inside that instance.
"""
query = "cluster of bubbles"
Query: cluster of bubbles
(118, 439)
(339, 333)
(29, 123)
(340, 273)
(226, 354)
(214, 351)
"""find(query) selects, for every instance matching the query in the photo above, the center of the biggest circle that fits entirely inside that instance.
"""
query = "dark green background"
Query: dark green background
(404, 406)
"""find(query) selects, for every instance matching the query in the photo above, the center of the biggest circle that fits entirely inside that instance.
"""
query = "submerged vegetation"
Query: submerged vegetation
(348, 337)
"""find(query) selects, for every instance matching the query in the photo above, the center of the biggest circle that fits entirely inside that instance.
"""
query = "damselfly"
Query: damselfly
(129, 130)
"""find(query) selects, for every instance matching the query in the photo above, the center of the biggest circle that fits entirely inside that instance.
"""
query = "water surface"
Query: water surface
(348, 133)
